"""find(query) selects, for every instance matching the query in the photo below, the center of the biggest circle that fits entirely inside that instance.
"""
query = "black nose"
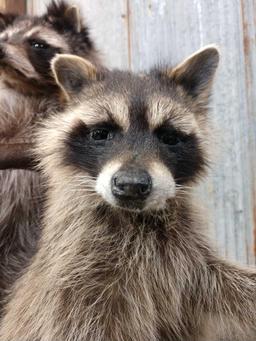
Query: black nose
(131, 184)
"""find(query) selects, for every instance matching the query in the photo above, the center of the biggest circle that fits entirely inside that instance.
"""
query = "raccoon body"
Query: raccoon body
(28, 92)
(122, 255)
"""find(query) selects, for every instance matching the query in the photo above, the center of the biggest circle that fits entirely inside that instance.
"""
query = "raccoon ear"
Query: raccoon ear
(6, 19)
(72, 73)
(73, 16)
(63, 16)
(196, 73)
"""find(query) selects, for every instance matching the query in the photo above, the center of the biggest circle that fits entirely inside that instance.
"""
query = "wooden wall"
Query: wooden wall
(13, 6)
(137, 34)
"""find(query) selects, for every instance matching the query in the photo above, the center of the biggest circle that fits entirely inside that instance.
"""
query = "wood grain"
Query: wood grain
(13, 6)
(141, 33)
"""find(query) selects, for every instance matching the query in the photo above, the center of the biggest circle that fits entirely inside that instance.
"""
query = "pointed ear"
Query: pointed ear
(63, 16)
(73, 16)
(196, 73)
(72, 74)
(6, 20)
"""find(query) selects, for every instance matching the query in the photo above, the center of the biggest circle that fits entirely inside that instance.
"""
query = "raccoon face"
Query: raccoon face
(28, 44)
(140, 139)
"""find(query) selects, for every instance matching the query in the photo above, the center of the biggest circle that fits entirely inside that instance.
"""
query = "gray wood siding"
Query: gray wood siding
(137, 34)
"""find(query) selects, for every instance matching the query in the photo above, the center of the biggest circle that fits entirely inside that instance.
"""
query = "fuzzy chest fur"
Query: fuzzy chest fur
(133, 286)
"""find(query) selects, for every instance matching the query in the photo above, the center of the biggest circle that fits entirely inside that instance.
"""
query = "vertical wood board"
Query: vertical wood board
(13, 6)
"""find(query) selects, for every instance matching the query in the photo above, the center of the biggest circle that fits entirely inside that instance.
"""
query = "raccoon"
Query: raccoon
(28, 92)
(123, 255)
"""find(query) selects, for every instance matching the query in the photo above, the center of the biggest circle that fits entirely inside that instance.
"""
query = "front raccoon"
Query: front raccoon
(122, 256)
(28, 92)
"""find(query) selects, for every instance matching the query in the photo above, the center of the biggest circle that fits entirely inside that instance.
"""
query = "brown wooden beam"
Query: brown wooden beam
(13, 6)
(16, 155)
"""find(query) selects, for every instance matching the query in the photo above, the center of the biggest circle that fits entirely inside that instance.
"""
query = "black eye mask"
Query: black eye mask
(40, 54)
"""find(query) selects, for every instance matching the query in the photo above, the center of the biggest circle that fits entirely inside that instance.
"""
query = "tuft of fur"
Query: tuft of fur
(28, 93)
(109, 271)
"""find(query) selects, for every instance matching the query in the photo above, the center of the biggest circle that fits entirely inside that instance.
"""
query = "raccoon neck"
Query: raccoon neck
(84, 237)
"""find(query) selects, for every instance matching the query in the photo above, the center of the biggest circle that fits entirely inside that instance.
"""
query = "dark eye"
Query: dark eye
(38, 45)
(101, 134)
(170, 138)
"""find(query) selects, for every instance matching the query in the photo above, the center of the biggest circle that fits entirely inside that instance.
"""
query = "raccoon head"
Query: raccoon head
(135, 139)
(28, 44)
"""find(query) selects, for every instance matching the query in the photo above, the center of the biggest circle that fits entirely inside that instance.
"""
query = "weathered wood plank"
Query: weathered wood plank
(13, 6)
(248, 12)
(141, 33)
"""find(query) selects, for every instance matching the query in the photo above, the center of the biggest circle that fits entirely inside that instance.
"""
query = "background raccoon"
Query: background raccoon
(27, 93)
(122, 255)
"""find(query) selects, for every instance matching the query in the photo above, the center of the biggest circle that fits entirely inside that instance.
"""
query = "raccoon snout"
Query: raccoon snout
(131, 184)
